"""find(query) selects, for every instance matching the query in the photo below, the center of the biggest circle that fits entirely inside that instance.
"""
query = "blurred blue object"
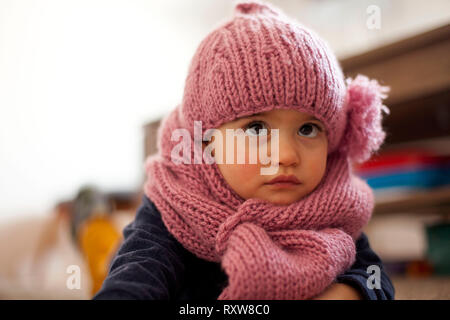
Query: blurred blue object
(427, 177)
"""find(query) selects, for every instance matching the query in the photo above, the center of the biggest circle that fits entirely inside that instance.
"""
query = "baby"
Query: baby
(281, 218)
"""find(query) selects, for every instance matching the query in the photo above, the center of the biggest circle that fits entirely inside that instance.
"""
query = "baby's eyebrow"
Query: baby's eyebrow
(313, 118)
(252, 115)
(309, 117)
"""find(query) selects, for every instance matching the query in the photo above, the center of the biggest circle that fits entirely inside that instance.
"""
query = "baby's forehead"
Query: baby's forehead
(281, 113)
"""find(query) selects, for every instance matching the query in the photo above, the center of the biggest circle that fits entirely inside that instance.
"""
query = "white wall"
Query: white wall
(78, 79)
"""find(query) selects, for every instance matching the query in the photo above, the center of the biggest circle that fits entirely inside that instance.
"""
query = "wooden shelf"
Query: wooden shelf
(414, 67)
(414, 201)
(417, 69)
(421, 288)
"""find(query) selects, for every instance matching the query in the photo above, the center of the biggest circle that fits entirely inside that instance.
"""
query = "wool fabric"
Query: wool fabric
(260, 61)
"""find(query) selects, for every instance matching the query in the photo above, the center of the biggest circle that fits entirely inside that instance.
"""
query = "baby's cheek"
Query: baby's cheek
(315, 167)
(316, 170)
(243, 178)
(247, 172)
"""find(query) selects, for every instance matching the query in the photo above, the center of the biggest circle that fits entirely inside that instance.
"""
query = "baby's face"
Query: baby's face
(302, 146)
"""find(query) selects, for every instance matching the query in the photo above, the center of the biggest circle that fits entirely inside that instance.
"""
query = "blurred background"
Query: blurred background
(83, 85)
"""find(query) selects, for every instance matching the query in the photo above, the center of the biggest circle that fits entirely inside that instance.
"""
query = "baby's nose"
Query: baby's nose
(287, 155)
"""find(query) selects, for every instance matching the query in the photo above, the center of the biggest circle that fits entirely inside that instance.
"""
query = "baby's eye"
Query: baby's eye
(308, 128)
(256, 128)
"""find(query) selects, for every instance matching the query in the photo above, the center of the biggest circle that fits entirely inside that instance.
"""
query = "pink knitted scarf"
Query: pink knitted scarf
(268, 251)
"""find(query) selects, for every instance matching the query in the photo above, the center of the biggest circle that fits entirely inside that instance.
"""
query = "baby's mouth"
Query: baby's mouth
(284, 181)
(290, 179)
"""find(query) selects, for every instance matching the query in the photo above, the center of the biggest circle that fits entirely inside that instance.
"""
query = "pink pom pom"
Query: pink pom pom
(364, 133)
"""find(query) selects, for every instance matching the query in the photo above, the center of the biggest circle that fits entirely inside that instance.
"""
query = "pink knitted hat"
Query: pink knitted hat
(261, 60)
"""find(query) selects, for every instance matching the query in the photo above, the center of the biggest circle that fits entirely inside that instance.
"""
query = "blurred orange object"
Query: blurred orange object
(98, 239)
(419, 268)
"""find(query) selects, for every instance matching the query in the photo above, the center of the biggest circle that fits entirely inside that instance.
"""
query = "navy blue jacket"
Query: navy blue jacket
(152, 264)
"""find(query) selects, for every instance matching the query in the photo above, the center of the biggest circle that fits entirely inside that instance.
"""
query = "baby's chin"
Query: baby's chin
(281, 200)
